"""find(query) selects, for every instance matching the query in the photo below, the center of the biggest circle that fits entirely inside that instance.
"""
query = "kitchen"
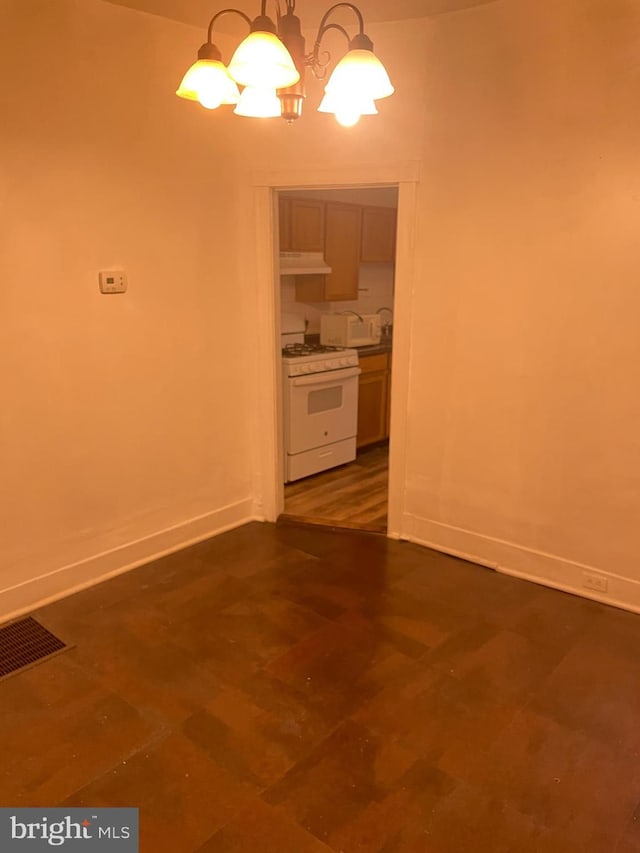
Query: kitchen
(337, 260)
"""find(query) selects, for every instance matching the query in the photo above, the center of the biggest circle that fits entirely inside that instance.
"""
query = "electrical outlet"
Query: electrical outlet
(113, 281)
(598, 583)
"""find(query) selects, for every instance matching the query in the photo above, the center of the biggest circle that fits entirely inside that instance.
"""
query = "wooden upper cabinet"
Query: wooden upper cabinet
(378, 235)
(284, 223)
(301, 224)
(342, 251)
(284, 216)
(307, 225)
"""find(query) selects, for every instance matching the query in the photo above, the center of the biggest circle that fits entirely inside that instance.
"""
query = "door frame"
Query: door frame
(268, 485)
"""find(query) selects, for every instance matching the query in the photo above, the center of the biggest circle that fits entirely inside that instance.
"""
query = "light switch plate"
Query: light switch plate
(113, 281)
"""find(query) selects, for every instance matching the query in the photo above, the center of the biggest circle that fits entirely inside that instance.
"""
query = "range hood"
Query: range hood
(303, 263)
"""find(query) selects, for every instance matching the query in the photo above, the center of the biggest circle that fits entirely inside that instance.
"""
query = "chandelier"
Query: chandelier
(270, 65)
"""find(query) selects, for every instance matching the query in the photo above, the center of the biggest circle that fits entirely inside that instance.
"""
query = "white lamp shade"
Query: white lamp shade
(258, 102)
(333, 104)
(208, 82)
(360, 72)
(263, 60)
(347, 110)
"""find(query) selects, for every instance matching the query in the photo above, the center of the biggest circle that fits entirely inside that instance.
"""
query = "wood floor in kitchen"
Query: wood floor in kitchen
(353, 495)
(283, 689)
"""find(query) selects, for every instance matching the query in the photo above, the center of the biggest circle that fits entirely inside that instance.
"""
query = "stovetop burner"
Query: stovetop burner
(299, 350)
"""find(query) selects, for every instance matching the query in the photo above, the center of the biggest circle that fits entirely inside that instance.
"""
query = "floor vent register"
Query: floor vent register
(25, 643)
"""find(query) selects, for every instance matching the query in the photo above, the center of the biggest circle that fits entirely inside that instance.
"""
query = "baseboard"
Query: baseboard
(35, 592)
(332, 523)
(520, 561)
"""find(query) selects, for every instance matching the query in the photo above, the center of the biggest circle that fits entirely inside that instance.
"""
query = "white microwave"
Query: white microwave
(350, 329)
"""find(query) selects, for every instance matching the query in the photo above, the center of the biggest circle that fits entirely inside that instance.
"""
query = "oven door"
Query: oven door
(321, 409)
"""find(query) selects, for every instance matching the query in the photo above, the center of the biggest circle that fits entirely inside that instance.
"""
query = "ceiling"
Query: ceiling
(199, 12)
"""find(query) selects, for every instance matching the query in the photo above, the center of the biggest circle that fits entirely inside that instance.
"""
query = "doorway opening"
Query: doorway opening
(336, 427)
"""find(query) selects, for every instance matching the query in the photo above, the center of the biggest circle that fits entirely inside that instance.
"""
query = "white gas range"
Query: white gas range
(320, 393)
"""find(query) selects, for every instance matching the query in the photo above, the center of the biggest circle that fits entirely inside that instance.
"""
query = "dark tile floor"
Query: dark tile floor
(291, 689)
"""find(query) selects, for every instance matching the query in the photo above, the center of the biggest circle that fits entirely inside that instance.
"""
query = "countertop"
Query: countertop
(385, 345)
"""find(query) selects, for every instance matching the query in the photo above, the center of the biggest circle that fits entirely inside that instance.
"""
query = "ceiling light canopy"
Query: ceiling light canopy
(271, 62)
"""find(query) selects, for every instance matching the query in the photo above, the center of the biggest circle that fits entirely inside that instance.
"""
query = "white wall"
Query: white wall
(522, 442)
(119, 416)
(123, 431)
(373, 196)
(375, 290)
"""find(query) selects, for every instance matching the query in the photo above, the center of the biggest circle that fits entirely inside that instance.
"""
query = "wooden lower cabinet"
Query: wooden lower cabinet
(373, 399)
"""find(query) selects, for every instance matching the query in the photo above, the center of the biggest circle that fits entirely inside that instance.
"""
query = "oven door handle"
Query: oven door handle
(330, 377)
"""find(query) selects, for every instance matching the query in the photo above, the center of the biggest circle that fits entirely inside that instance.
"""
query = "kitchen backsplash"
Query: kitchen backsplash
(375, 290)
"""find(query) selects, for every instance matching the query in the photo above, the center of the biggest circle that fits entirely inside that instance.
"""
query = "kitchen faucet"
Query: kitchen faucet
(387, 324)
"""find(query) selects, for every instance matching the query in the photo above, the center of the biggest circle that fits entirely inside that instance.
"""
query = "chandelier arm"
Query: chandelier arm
(290, 4)
(324, 27)
(314, 57)
(338, 27)
(318, 67)
(225, 12)
(351, 6)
